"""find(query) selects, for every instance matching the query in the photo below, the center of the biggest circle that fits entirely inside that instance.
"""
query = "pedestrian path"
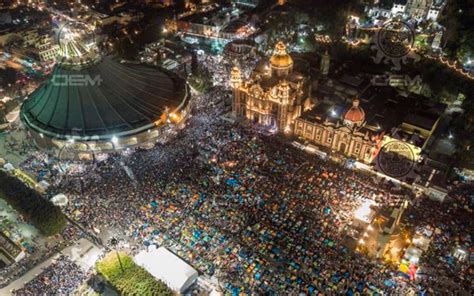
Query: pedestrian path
(31, 274)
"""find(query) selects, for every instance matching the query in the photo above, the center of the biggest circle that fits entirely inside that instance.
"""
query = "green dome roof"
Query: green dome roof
(103, 99)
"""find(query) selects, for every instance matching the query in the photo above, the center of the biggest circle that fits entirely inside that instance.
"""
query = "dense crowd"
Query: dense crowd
(62, 277)
(261, 216)
(18, 269)
(41, 253)
(440, 269)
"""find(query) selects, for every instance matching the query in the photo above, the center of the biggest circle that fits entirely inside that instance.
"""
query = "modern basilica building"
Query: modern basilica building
(99, 103)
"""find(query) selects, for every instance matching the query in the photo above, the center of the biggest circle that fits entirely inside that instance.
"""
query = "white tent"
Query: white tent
(8, 167)
(167, 267)
(59, 200)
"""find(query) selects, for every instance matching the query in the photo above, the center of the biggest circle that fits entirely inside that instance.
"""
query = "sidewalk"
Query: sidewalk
(83, 253)
(31, 274)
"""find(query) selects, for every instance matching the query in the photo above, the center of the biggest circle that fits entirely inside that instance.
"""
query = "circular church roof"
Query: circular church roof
(102, 100)
(355, 114)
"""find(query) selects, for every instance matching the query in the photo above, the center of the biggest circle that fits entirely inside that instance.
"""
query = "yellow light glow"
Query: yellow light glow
(364, 212)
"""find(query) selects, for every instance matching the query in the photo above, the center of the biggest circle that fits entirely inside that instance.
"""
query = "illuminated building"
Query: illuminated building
(325, 63)
(417, 9)
(217, 22)
(379, 232)
(275, 95)
(99, 103)
(348, 116)
(424, 9)
(341, 130)
(47, 50)
(359, 132)
(240, 50)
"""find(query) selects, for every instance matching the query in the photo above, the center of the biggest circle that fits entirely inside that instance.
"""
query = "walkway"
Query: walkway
(31, 274)
(84, 253)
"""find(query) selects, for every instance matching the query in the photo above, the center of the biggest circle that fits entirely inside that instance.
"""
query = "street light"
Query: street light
(114, 242)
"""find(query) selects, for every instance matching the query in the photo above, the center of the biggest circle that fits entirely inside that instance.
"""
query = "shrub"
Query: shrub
(134, 280)
(40, 212)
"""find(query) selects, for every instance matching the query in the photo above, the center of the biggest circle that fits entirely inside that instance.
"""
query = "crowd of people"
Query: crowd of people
(18, 269)
(62, 277)
(259, 215)
(441, 270)
(19, 146)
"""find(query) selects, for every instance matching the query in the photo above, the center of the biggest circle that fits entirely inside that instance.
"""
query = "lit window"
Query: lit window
(357, 148)
(329, 139)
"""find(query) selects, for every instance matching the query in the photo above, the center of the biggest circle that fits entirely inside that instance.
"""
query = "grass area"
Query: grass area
(133, 280)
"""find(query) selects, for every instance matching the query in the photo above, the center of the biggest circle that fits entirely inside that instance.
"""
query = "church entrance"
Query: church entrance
(342, 148)
(256, 118)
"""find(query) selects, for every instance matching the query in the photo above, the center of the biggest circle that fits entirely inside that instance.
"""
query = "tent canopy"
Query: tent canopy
(60, 200)
(167, 267)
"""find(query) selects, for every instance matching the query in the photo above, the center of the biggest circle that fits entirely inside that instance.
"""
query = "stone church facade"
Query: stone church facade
(279, 97)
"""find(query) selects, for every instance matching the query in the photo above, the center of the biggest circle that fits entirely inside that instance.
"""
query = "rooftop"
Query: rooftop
(112, 98)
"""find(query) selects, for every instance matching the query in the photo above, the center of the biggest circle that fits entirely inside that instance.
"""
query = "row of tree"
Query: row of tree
(129, 278)
(42, 213)
(458, 18)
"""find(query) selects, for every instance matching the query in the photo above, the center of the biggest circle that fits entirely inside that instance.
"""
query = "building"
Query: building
(215, 23)
(275, 94)
(47, 51)
(97, 103)
(379, 116)
(348, 115)
(399, 7)
(169, 55)
(419, 10)
(9, 251)
(348, 134)
(240, 50)
(30, 37)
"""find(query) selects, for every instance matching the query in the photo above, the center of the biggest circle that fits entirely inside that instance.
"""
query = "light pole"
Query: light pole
(114, 242)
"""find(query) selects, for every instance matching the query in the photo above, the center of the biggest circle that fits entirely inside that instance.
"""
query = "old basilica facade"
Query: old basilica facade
(274, 95)
(277, 96)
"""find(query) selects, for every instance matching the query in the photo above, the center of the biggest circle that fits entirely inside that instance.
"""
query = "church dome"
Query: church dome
(281, 59)
(90, 96)
(355, 114)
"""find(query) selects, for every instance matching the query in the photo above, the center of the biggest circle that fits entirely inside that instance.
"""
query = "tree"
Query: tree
(180, 6)
(194, 63)
(458, 18)
(45, 216)
(127, 49)
(7, 77)
(332, 15)
(49, 220)
(133, 280)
